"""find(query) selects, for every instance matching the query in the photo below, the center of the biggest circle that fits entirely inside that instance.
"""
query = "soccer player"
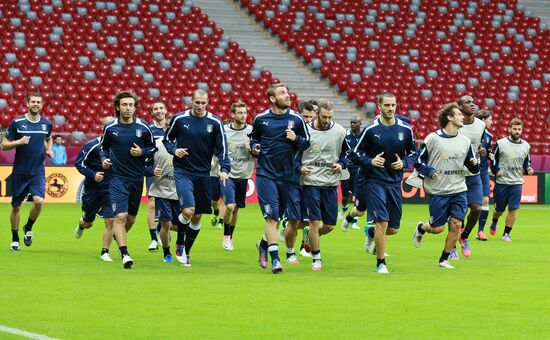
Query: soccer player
(126, 143)
(348, 185)
(322, 164)
(277, 135)
(193, 137)
(385, 148)
(30, 136)
(441, 163)
(233, 192)
(96, 195)
(486, 117)
(295, 213)
(159, 111)
(474, 129)
(511, 162)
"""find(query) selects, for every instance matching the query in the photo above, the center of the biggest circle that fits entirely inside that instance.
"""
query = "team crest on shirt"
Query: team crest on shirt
(267, 208)
(444, 157)
(315, 149)
(400, 136)
(511, 157)
(44, 127)
(290, 124)
(139, 133)
(209, 128)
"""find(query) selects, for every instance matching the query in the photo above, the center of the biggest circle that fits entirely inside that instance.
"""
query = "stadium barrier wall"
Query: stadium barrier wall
(64, 184)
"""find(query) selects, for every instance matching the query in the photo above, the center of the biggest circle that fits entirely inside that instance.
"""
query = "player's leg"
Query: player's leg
(120, 192)
(228, 197)
(216, 206)
(438, 207)
(107, 238)
(268, 196)
(360, 205)
(293, 215)
(37, 189)
(475, 199)
(456, 209)
(202, 193)
(154, 245)
(378, 199)
(312, 203)
(346, 197)
(514, 199)
(501, 201)
(484, 214)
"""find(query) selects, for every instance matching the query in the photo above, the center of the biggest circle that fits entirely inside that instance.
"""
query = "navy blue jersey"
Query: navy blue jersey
(158, 132)
(29, 158)
(277, 159)
(486, 143)
(352, 140)
(88, 163)
(116, 142)
(203, 137)
(396, 139)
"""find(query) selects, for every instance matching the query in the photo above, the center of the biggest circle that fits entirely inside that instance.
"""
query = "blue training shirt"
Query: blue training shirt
(484, 160)
(88, 163)
(158, 132)
(203, 137)
(396, 139)
(352, 140)
(116, 142)
(277, 154)
(29, 158)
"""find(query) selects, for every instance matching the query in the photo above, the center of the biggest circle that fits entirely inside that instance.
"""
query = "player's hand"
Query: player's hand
(158, 170)
(378, 161)
(247, 146)
(530, 171)
(135, 151)
(500, 173)
(306, 170)
(491, 157)
(106, 164)
(290, 135)
(223, 177)
(256, 150)
(473, 160)
(435, 175)
(482, 151)
(98, 177)
(336, 168)
(24, 140)
(181, 152)
(398, 164)
(49, 153)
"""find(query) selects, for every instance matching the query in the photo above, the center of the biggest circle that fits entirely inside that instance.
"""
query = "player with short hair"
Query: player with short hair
(322, 165)
(441, 163)
(126, 143)
(233, 193)
(474, 129)
(96, 196)
(486, 117)
(193, 137)
(158, 111)
(30, 136)
(385, 148)
(277, 135)
(511, 162)
(348, 185)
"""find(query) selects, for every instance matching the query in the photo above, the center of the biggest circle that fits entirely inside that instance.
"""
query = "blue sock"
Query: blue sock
(370, 232)
(483, 218)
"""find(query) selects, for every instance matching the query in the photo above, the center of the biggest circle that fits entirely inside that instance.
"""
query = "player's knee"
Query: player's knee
(16, 209)
(485, 201)
(475, 208)
(38, 201)
(437, 230)
(230, 208)
(455, 225)
(121, 217)
(359, 213)
(188, 212)
(391, 231)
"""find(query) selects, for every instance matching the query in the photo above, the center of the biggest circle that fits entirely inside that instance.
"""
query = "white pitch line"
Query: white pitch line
(25, 334)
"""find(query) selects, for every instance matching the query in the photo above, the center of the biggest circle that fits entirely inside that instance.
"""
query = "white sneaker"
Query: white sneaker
(316, 265)
(446, 264)
(78, 232)
(180, 255)
(226, 242)
(417, 236)
(342, 213)
(127, 261)
(345, 225)
(159, 240)
(382, 269)
(106, 257)
(27, 239)
(154, 245)
(369, 245)
(354, 225)
(231, 246)
(304, 253)
(292, 259)
(14, 246)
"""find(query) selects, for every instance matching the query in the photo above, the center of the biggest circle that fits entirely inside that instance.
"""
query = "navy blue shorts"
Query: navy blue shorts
(475, 190)
(444, 207)
(234, 191)
(95, 201)
(349, 186)
(381, 201)
(167, 210)
(148, 182)
(486, 184)
(273, 196)
(125, 195)
(216, 190)
(507, 195)
(296, 210)
(22, 185)
(194, 191)
(321, 204)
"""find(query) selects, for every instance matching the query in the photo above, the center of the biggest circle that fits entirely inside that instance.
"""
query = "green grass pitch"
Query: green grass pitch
(58, 287)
